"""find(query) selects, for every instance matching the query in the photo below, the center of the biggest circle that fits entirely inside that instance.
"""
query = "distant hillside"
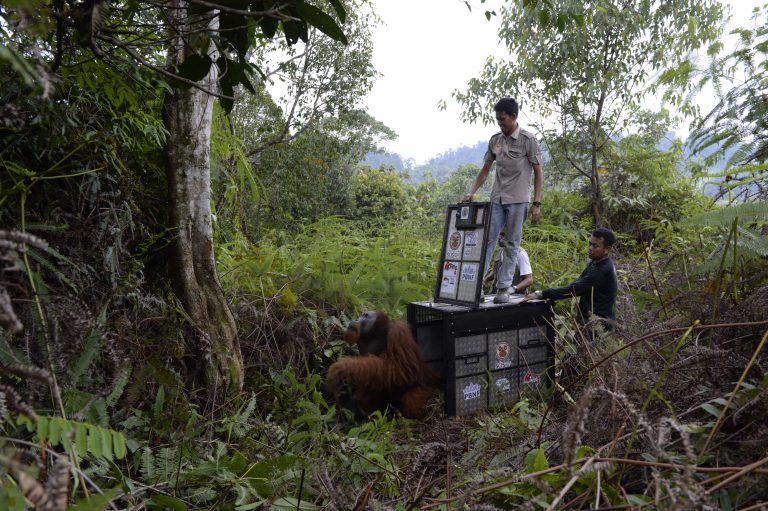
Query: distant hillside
(386, 159)
(440, 166)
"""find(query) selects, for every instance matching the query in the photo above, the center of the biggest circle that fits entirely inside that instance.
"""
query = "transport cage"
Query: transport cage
(459, 275)
(488, 356)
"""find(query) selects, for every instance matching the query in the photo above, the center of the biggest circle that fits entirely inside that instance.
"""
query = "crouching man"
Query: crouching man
(597, 285)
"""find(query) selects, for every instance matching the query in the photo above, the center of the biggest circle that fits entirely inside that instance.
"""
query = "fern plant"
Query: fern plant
(740, 245)
(85, 438)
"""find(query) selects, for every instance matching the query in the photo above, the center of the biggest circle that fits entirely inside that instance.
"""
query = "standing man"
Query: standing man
(517, 156)
(597, 285)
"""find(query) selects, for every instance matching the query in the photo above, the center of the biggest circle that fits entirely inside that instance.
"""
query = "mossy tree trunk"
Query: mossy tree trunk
(187, 115)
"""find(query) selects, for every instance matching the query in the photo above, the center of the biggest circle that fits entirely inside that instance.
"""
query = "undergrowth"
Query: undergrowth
(95, 407)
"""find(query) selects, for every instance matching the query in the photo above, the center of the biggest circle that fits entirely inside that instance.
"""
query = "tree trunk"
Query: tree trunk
(595, 194)
(187, 114)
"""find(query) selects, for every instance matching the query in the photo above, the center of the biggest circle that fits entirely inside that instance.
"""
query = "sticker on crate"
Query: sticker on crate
(450, 272)
(531, 378)
(503, 356)
(469, 272)
(453, 248)
(472, 391)
(503, 386)
(470, 242)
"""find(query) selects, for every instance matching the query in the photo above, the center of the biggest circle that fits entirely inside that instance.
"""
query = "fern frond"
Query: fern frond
(147, 465)
(88, 438)
(166, 462)
(119, 385)
(746, 213)
(91, 348)
(754, 244)
(739, 170)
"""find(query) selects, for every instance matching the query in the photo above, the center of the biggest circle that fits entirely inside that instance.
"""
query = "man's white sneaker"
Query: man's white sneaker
(502, 296)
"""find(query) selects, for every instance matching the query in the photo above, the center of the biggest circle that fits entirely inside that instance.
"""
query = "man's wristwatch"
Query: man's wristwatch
(536, 203)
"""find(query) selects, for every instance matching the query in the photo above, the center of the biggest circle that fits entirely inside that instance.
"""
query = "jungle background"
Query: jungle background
(176, 272)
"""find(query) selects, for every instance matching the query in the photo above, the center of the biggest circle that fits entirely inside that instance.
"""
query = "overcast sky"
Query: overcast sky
(425, 49)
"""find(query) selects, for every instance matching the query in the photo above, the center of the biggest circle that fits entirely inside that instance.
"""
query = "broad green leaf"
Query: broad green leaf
(247, 83)
(560, 22)
(638, 500)
(66, 429)
(544, 17)
(119, 445)
(290, 503)
(321, 21)
(157, 407)
(268, 26)
(97, 502)
(42, 428)
(711, 409)
(195, 67)
(341, 12)
(11, 498)
(536, 461)
(94, 441)
(162, 502)
(106, 443)
(54, 431)
(26, 422)
(81, 439)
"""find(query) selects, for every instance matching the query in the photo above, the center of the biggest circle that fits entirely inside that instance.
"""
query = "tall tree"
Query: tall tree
(584, 66)
(207, 47)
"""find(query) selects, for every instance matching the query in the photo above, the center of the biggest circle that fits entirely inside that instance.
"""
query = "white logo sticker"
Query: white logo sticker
(472, 391)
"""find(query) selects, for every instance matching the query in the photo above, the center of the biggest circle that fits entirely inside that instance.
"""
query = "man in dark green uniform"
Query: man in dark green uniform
(597, 285)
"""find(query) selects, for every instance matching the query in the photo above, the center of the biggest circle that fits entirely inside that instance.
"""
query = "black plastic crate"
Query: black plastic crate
(484, 354)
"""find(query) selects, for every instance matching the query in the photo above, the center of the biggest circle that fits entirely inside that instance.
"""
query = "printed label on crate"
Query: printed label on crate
(453, 248)
(503, 352)
(469, 272)
(531, 378)
(503, 386)
(464, 212)
(470, 242)
(472, 391)
(450, 272)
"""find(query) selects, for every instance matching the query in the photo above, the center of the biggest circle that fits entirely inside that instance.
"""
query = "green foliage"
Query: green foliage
(11, 497)
(369, 449)
(557, 253)
(83, 437)
(737, 183)
(590, 77)
(338, 261)
(738, 120)
(731, 248)
(377, 195)
(643, 184)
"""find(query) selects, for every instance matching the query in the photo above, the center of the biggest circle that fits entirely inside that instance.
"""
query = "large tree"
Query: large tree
(583, 67)
(201, 49)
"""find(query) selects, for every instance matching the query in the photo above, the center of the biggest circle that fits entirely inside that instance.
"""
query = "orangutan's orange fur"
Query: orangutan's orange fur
(396, 377)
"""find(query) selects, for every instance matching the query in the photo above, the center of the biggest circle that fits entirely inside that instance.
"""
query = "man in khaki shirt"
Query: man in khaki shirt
(518, 157)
